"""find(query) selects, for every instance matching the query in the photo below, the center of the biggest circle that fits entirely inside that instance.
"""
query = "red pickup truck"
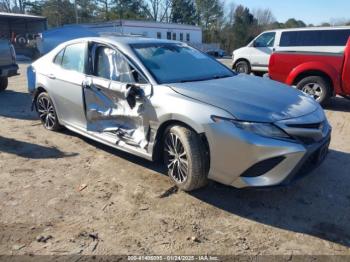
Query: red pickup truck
(321, 75)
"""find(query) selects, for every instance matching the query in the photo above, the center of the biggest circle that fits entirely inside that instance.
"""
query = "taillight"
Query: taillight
(13, 54)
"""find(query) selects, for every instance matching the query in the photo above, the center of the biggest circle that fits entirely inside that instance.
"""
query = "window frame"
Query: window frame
(168, 35)
(64, 52)
(266, 46)
(319, 42)
(181, 37)
(94, 45)
(188, 37)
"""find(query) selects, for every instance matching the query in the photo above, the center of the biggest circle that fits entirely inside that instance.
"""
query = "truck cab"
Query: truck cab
(8, 66)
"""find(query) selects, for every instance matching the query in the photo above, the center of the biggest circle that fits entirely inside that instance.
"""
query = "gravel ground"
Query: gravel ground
(64, 194)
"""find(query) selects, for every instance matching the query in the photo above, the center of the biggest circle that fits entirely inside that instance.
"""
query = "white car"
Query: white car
(256, 55)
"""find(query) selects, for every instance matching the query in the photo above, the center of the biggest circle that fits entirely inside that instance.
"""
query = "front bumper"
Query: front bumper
(8, 71)
(234, 153)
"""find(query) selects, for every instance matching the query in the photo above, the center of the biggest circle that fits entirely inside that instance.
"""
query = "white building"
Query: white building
(185, 33)
(179, 32)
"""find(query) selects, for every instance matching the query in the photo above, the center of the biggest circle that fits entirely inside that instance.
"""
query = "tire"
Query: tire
(242, 67)
(186, 161)
(47, 112)
(316, 86)
(3, 83)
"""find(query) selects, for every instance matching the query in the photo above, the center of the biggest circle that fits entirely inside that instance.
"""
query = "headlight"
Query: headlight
(262, 129)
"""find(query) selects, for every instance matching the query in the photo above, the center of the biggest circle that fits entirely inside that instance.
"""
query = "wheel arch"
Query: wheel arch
(157, 149)
(325, 71)
(40, 89)
(241, 59)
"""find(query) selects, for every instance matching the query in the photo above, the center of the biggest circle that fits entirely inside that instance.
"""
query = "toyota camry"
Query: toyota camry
(164, 100)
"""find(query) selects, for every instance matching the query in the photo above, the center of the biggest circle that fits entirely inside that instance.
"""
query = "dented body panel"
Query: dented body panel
(128, 109)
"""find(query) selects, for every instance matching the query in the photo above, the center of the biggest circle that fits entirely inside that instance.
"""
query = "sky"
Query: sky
(310, 11)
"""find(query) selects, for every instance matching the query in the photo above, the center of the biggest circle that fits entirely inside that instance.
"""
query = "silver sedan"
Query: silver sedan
(164, 100)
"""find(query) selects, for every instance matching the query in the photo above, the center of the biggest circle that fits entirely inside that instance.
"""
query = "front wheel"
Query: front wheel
(47, 112)
(185, 158)
(317, 87)
(3, 83)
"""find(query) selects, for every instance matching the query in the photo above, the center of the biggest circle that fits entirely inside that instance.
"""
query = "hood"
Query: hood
(250, 98)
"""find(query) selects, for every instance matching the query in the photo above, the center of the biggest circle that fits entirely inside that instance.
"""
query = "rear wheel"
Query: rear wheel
(242, 67)
(317, 87)
(3, 83)
(185, 158)
(47, 112)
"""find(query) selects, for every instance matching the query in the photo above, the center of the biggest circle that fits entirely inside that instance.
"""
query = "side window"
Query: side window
(111, 64)
(168, 35)
(74, 57)
(265, 40)
(315, 38)
(159, 35)
(174, 36)
(181, 36)
(188, 39)
(58, 58)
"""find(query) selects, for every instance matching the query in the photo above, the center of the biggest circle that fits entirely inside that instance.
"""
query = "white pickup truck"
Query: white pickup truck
(8, 66)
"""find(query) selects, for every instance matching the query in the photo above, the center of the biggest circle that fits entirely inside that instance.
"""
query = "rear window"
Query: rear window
(74, 57)
(315, 38)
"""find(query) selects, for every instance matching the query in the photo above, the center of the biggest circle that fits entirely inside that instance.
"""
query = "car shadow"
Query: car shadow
(16, 105)
(338, 104)
(30, 150)
(317, 205)
(154, 166)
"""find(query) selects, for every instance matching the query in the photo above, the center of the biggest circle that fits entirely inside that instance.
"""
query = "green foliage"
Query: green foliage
(232, 31)
(183, 12)
(58, 12)
(128, 9)
(292, 23)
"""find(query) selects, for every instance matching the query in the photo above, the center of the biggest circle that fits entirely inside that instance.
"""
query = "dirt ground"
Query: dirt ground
(123, 208)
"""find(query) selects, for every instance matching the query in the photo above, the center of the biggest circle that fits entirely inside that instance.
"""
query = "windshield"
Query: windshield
(174, 63)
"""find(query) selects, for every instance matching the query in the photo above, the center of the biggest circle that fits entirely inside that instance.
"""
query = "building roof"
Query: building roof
(21, 16)
(141, 23)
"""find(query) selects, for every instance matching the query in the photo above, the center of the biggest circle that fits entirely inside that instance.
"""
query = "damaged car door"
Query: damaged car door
(116, 96)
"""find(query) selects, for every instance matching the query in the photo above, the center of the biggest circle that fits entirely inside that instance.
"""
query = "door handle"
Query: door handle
(52, 76)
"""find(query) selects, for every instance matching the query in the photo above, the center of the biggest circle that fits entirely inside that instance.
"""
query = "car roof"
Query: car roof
(309, 28)
(122, 40)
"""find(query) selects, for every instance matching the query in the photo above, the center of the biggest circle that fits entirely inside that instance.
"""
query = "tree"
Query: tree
(158, 10)
(209, 13)
(293, 23)
(13, 6)
(244, 27)
(85, 11)
(58, 12)
(264, 17)
(103, 7)
(183, 12)
(128, 9)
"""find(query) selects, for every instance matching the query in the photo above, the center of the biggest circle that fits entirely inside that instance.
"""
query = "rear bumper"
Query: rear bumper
(8, 71)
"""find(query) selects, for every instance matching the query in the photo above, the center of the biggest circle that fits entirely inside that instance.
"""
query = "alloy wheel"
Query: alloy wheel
(46, 112)
(313, 89)
(176, 158)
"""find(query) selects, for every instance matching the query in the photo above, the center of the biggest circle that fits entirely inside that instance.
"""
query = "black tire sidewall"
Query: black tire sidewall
(244, 64)
(57, 125)
(320, 81)
(196, 177)
(3, 83)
